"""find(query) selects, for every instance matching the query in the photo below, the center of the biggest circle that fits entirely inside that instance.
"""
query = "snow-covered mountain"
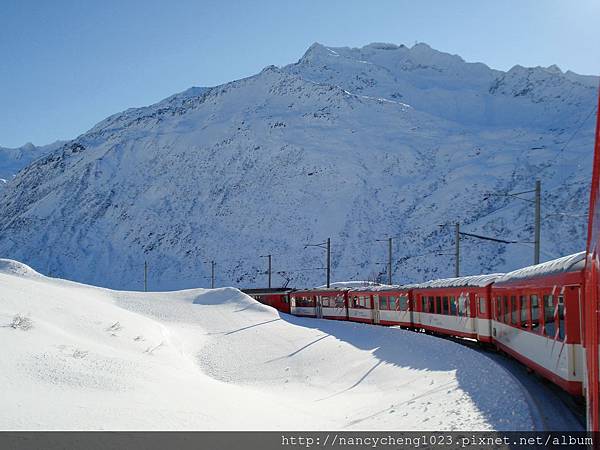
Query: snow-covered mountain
(14, 159)
(352, 144)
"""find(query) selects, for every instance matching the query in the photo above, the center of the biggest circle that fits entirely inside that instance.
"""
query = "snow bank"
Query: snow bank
(92, 359)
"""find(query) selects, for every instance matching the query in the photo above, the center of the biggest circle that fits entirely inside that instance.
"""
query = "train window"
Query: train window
(361, 302)
(339, 301)
(445, 307)
(438, 305)
(498, 309)
(431, 305)
(482, 309)
(514, 310)
(463, 305)
(524, 306)
(505, 309)
(535, 313)
(403, 302)
(355, 302)
(549, 325)
(383, 302)
(424, 304)
(561, 317)
(324, 301)
(453, 305)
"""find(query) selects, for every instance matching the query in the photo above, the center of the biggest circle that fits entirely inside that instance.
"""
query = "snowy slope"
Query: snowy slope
(14, 159)
(352, 144)
(216, 359)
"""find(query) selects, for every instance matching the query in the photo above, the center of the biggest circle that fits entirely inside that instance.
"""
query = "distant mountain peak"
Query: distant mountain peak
(323, 147)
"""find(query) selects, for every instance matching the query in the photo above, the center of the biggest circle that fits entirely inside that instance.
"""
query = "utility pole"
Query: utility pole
(328, 261)
(269, 272)
(538, 221)
(326, 246)
(212, 274)
(390, 261)
(457, 250)
(145, 276)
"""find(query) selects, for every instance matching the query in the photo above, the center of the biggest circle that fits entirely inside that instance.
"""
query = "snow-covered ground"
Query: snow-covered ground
(83, 357)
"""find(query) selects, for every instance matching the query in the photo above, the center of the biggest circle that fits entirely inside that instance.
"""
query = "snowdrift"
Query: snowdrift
(77, 357)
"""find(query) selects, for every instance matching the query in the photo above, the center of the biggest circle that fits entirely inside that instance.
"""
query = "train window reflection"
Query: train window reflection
(549, 325)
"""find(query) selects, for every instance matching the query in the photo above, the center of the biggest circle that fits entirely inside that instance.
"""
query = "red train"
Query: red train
(532, 314)
(547, 316)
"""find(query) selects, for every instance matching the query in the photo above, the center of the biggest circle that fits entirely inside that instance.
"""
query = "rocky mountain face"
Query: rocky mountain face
(14, 159)
(352, 144)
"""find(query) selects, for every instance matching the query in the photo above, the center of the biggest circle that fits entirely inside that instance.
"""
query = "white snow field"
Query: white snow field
(77, 357)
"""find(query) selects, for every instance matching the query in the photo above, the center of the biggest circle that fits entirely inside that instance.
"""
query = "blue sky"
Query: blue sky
(65, 65)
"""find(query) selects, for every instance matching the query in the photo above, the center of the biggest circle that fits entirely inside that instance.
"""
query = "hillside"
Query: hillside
(352, 144)
(218, 360)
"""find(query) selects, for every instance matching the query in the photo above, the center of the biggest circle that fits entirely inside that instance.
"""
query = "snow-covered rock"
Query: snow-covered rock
(352, 144)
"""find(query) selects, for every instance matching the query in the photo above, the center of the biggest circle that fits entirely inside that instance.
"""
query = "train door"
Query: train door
(319, 306)
(483, 324)
(375, 306)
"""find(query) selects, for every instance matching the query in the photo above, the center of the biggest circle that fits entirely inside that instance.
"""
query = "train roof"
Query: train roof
(569, 263)
(380, 288)
(266, 291)
(320, 289)
(470, 281)
(350, 284)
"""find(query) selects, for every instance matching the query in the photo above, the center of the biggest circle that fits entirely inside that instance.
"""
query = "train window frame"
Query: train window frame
(498, 308)
(513, 310)
(523, 312)
(453, 306)
(431, 304)
(481, 301)
(393, 303)
(402, 303)
(534, 323)
(383, 301)
(549, 324)
(463, 305)
(561, 310)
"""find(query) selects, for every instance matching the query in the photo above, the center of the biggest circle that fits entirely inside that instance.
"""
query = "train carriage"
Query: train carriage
(361, 305)
(455, 306)
(380, 305)
(278, 298)
(320, 303)
(537, 319)
(394, 307)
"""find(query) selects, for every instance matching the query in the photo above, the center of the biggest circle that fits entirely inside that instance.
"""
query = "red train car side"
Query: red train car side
(592, 300)
(537, 319)
(455, 306)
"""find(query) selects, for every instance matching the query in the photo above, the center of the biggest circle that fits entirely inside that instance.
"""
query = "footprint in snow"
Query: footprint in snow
(114, 328)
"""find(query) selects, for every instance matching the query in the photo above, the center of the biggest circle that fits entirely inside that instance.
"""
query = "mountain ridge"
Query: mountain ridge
(356, 149)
